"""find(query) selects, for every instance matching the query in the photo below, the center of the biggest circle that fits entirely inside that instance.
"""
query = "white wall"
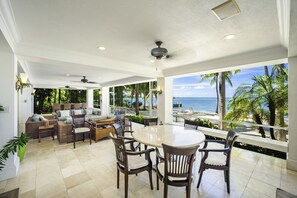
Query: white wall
(25, 107)
(292, 156)
(8, 99)
(164, 111)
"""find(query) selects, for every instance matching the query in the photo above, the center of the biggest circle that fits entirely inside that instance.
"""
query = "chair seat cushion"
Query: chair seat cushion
(216, 158)
(136, 161)
(161, 168)
(81, 130)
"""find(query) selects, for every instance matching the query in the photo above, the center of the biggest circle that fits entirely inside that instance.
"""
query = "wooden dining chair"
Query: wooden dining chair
(175, 168)
(218, 158)
(130, 162)
(80, 127)
(120, 133)
(191, 124)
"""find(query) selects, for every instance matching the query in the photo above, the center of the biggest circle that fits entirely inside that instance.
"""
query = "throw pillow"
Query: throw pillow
(77, 112)
(41, 118)
(35, 118)
(65, 113)
(68, 120)
(89, 111)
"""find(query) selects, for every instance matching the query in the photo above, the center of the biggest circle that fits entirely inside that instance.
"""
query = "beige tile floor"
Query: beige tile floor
(53, 170)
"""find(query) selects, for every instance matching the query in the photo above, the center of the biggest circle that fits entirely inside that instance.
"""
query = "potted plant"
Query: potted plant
(12, 146)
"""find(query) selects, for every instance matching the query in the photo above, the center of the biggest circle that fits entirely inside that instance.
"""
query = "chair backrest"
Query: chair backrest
(230, 139)
(120, 116)
(179, 161)
(78, 120)
(118, 128)
(191, 124)
(120, 151)
(150, 121)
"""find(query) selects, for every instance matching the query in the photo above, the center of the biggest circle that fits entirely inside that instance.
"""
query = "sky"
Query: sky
(192, 86)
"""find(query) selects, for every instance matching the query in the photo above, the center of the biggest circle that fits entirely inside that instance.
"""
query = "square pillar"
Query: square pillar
(292, 95)
(104, 104)
(8, 99)
(165, 108)
(90, 98)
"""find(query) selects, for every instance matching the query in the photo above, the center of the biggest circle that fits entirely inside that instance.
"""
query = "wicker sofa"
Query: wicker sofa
(32, 126)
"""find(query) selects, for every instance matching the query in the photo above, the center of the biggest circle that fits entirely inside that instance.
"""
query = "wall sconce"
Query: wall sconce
(33, 92)
(158, 90)
(21, 82)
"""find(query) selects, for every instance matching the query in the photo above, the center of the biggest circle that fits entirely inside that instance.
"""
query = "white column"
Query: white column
(164, 111)
(104, 104)
(8, 99)
(292, 95)
(25, 107)
(90, 98)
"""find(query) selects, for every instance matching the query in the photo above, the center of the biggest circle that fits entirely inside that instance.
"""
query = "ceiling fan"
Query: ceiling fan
(85, 80)
(159, 52)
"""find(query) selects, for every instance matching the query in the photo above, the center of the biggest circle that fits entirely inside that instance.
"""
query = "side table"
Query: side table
(46, 128)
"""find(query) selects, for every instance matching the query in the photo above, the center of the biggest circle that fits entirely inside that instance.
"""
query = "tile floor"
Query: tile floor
(53, 170)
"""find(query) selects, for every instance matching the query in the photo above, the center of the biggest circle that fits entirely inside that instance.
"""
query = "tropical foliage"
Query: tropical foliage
(11, 147)
(265, 101)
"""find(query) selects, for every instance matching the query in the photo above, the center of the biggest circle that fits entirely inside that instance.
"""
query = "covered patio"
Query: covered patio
(110, 43)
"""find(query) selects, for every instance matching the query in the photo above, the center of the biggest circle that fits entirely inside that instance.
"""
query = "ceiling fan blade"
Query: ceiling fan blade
(91, 82)
(76, 81)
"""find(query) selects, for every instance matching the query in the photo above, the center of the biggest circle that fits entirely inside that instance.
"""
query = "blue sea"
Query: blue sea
(207, 104)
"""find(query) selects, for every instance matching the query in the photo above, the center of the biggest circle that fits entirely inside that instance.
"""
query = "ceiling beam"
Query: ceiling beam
(59, 56)
(273, 55)
(127, 81)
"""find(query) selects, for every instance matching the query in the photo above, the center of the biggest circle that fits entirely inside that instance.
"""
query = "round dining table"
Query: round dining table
(172, 135)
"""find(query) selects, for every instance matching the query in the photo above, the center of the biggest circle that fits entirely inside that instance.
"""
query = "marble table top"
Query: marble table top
(168, 134)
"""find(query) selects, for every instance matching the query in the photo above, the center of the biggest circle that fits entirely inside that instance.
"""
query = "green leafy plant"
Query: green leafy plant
(1, 108)
(205, 123)
(136, 118)
(11, 147)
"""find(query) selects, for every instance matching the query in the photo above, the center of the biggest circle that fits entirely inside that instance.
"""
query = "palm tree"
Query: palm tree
(131, 89)
(213, 79)
(281, 75)
(223, 77)
(244, 104)
(144, 90)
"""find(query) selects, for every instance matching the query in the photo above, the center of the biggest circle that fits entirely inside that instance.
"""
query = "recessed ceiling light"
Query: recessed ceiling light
(152, 61)
(230, 36)
(101, 48)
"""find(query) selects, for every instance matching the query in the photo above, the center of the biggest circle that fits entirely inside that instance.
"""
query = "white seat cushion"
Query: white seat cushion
(136, 161)
(216, 158)
(161, 167)
(81, 130)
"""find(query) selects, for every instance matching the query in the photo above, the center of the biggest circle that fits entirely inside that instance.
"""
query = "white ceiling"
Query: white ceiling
(53, 37)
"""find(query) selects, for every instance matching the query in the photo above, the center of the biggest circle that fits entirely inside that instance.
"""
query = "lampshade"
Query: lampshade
(24, 77)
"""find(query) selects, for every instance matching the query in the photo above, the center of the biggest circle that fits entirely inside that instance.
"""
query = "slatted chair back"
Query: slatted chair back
(179, 161)
(78, 121)
(118, 128)
(191, 124)
(150, 121)
(120, 151)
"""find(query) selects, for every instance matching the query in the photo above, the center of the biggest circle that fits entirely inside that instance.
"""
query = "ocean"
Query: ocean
(207, 104)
